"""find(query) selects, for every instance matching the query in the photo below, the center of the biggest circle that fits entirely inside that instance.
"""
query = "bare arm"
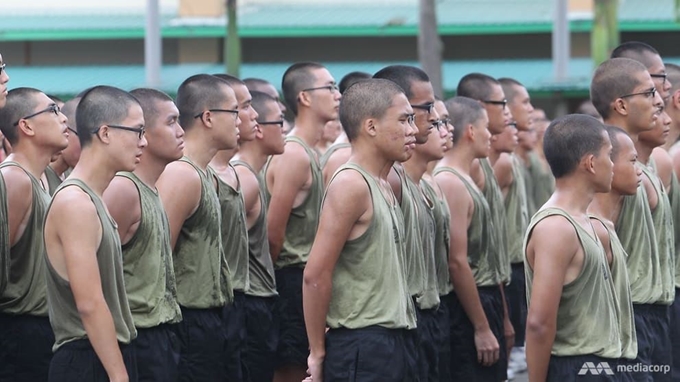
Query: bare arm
(250, 189)
(80, 239)
(461, 209)
(664, 167)
(180, 190)
(508, 329)
(502, 170)
(19, 201)
(337, 159)
(291, 171)
(551, 248)
(122, 200)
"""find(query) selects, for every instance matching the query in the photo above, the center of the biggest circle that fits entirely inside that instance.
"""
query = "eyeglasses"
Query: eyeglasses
(647, 93)
(2, 68)
(411, 119)
(331, 88)
(72, 130)
(280, 123)
(139, 130)
(426, 106)
(235, 112)
(52, 108)
(663, 76)
(446, 121)
(503, 103)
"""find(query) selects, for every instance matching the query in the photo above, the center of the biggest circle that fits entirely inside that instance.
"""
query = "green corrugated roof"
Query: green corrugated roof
(535, 74)
(352, 19)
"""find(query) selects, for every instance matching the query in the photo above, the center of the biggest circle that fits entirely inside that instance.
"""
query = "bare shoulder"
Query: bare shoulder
(348, 186)
(504, 163)
(293, 158)
(179, 176)
(73, 211)
(16, 180)
(664, 165)
(554, 233)
(121, 191)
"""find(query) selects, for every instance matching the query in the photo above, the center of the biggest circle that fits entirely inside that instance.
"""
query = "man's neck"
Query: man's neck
(606, 206)
(150, 169)
(221, 160)
(200, 152)
(673, 135)
(572, 195)
(308, 127)
(493, 156)
(92, 170)
(416, 167)
(59, 166)
(621, 123)
(644, 151)
(250, 153)
(367, 158)
(31, 159)
(458, 158)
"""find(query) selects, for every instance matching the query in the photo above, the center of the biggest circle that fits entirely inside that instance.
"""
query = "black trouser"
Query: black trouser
(262, 337)
(464, 364)
(234, 317)
(202, 340)
(517, 302)
(293, 346)
(444, 342)
(585, 368)
(428, 350)
(77, 361)
(25, 348)
(370, 354)
(652, 322)
(675, 336)
(157, 350)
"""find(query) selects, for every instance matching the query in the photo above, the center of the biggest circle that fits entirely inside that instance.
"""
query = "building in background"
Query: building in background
(63, 51)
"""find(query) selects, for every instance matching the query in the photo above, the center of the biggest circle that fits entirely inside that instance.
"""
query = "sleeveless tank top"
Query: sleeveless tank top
(64, 317)
(662, 217)
(442, 239)
(587, 321)
(484, 260)
(624, 303)
(494, 197)
(234, 232)
(369, 279)
(414, 258)
(25, 290)
(147, 263)
(635, 229)
(674, 196)
(335, 147)
(517, 213)
(202, 281)
(260, 265)
(304, 219)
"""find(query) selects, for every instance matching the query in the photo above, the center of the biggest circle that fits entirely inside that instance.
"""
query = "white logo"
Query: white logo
(590, 367)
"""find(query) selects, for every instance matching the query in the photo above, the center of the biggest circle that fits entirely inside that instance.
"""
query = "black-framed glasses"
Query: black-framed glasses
(426, 106)
(663, 76)
(503, 103)
(233, 111)
(54, 108)
(72, 130)
(331, 88)
(411, 119)
(647, 93)
(280, 123)
(139, 130)
(2, 68)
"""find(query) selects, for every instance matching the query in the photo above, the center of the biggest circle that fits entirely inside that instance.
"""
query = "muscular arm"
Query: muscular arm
(80, 239)
(19, 201)
(179, 188)
(551, 249)
(502, 170)
(461, 209)
(250, 189)
(291, 171)
(122, 200)
(347, 199)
